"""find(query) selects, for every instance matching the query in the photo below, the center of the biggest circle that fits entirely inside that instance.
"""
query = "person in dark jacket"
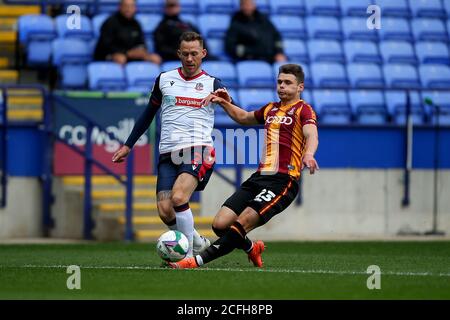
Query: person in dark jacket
(167, 34)
(252, 36)
(122, 39)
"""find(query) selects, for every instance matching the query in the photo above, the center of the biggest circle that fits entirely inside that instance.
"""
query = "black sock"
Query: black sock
(248, 243)
(234, 238)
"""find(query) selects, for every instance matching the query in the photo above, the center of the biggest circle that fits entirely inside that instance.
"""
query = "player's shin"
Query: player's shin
(185, 224)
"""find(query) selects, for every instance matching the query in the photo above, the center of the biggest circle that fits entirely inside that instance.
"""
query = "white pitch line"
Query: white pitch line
(318, 271)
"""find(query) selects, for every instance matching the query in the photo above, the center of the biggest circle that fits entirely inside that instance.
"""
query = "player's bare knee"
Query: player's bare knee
(178, 199)
(219, 228)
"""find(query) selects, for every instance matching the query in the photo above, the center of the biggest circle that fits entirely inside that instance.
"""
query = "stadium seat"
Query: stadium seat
(448, 28)
(189, 7)
(64, 31)
(150, 44)
(396, 106)
(290, 27)
(355, 8)
(425, 29)
(97, 22)
(325, 51)
(217, 6)
(433, 52)
(293, 7)
(401, 76)
(427, 8)
(361, 51)
(106, 76)
(170, 65)
(141, 74)
(255, 74)
(148, 23)
(191, 18)
(306, 96)
(213, 25)
(295, 50)
(368, 106)
(328, 75)
(395, 29)
(355, 28)
(332, 106)
(308, 79)
(447, 7)
(439, 112)
(223, 70)
(323, 8)
(397, 52)
(107, 6)
(397, 8)
(150, 6)
(365, 75)
(324, 28)
(434, 76)
(70, 51)
(262, 5)
(253, 99)
(217, 48)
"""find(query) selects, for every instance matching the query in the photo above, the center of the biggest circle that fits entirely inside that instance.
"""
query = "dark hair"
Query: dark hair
(189, 36)
(294, 69)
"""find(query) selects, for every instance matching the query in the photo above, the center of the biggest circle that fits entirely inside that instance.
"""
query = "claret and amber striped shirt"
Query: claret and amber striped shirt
(284, 139)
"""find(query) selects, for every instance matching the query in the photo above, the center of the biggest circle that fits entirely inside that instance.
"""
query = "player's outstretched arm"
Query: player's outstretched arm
(312, 142)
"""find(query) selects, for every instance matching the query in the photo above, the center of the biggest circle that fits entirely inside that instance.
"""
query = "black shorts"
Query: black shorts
(198, 161)
(266, 194)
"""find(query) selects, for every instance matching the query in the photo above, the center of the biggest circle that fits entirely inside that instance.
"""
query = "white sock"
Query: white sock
(185, 224)
(199, 260)
(196, 236)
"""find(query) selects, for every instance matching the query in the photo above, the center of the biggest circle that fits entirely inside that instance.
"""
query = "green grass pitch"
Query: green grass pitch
(293, 270)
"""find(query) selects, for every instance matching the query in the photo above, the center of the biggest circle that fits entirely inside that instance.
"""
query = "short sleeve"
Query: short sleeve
(259, 114)
(308, 116)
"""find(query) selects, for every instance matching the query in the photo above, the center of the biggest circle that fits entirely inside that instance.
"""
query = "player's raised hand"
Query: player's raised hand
(121, 154)
(309, 162)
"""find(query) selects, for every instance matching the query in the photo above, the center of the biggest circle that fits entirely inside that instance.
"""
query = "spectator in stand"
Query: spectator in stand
(121, 38)
(252, 36)
(169, 30)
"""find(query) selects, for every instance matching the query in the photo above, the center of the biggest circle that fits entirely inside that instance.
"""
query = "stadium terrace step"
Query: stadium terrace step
(151, 235)
(17, 11)
(157, 221)
(107, 180)
(22, 101)
(8, 24)
(120, 194)
(4, 62)
(8, 37)
(21, 115)
(9, 76)
(115, 207)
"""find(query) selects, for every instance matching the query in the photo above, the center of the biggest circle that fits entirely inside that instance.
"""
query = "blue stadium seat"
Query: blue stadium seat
(148, 23)
(293, 7)
(189, 7)
(365, 75)
(397, 52)
(170, 65)
(355, 8)
(223, 70)
(397, 8)
(329, 75)
(324, 28)
(108, 6)
(395, 29)
(429, 29)
(332, 106)
(325, 51)
(323, 8)
(401, 76)
(447, 7)
(355, 28)
(97, 22)
(253, 99)
(191, 18)
(217, 48)
(141, 74)
(441, 106)
(213, 25)
(434, 76)
(448, 28)
(361, 51)
(308, 79)
(150, 44)
(150, 6)
(290, 27)
(255, 74)
(64, 31)
(262, 5)
(295, 50)
(427, 8)
(306, 96)
(396, 105)
(217, 6)
(368, 106)
(106, 76)
(433, 52)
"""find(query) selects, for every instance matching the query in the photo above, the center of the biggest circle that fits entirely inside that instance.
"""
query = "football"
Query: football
(172, 246)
